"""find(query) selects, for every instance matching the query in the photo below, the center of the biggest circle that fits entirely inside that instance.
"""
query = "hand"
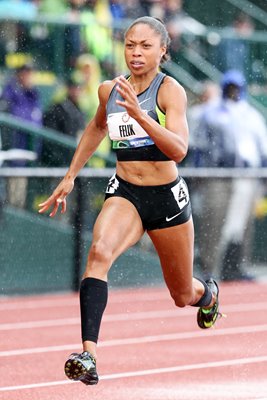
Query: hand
(130, 102)
(58, 197)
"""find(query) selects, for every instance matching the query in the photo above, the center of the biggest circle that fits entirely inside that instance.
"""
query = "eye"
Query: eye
(129, 45)
(146, 45)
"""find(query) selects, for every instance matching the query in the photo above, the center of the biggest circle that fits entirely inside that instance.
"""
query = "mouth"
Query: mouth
(136, 64)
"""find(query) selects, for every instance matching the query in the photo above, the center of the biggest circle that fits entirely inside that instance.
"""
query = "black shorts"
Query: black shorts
(159, 206)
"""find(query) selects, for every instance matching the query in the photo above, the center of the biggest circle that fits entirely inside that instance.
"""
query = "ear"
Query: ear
(163, 51)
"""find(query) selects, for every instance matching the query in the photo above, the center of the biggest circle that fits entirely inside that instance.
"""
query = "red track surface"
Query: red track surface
(148, 350)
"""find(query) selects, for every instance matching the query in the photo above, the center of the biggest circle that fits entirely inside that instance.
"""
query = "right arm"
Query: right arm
(92, 136)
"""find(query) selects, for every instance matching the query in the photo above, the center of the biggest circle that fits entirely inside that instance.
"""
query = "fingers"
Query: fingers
(52, 200)
(58, 198)
(46, 204)
(56, 206)
(122, 93)
(124, 87)
(63, 206)
(128, 94)
(54, 211)
(121, 80)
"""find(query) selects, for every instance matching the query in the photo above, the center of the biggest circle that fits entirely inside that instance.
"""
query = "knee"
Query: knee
(100, 252)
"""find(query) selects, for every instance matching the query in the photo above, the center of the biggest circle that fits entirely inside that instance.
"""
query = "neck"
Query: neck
(140, 83)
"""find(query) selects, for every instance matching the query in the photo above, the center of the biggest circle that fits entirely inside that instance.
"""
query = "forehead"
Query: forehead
(142, 32)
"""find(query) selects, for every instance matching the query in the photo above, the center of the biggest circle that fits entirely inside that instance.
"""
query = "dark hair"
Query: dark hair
(24, 67)
(71, 82)
(158, 26)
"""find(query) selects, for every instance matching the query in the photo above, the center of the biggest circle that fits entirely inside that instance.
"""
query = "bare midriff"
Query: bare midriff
(147, 173)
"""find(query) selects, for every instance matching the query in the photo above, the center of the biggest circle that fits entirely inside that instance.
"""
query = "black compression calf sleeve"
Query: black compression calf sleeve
(205, 300)
(93, 301)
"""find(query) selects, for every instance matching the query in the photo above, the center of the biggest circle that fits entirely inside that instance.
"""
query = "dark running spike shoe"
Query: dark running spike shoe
(81, 367)
(206, 317)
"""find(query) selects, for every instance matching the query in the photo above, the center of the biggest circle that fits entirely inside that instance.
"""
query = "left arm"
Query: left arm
(172, 139)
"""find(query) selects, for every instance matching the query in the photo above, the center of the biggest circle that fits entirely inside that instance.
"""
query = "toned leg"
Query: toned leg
(175, 247)
(117, 227)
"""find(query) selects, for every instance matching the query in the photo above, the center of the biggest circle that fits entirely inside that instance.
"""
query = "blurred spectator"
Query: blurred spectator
(73, 40)
(155, 8)
(131, 9)
(208, 96)
(2, 184)
(97, 19)
(21, 99)
(116, 9)
(108, 48)
(88, 73)
(178, 21)
(65, 117)
(233, 52)
(173, 18)
(231, 133)
(53, 7)
(71, 11)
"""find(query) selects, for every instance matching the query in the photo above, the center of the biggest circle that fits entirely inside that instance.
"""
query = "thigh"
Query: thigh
(118, 226)
(175, 247)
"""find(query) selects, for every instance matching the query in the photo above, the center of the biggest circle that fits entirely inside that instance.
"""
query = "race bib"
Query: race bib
(123, 127)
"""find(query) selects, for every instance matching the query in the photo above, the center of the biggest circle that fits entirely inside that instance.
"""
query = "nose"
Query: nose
(137, 51)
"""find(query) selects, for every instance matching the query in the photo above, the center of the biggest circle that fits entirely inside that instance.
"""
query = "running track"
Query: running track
(148, 349)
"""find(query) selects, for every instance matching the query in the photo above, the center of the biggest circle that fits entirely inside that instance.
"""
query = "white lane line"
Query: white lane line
(140, 340)
(115, 297)
(147, 372)
(131, 316)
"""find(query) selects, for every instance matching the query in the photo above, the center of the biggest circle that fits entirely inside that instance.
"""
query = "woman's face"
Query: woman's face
(233, 92)
(25, 78)
(143, 49)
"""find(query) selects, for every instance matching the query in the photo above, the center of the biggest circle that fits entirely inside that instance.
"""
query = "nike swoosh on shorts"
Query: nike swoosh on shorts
(174, 216)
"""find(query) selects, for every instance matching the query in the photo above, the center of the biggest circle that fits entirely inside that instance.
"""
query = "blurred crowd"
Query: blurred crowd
(225, 130)
(95, 16)
(91, 52)
(84, 48)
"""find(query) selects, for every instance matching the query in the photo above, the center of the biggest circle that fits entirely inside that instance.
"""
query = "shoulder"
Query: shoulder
(250, 108)
(53, 112)
(9, 88)
(170, 83)
(255, 115)
(171, 92)
(105, 89)
(55, 106)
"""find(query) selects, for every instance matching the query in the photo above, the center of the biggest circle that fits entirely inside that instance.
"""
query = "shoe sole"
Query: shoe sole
(76, 371)
(206, 325)
(203, 324)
